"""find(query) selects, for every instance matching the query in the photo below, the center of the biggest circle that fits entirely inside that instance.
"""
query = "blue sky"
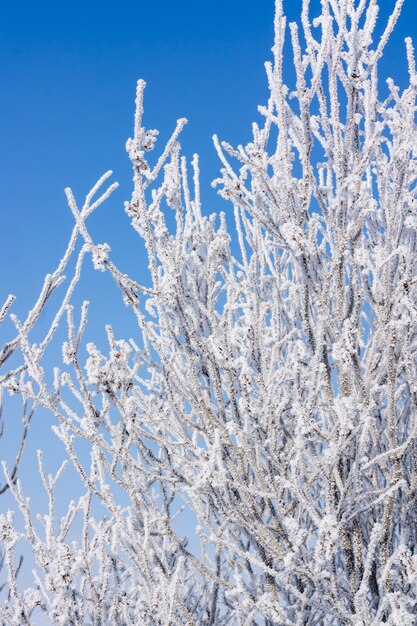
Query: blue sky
(68, 72)
(68, 75)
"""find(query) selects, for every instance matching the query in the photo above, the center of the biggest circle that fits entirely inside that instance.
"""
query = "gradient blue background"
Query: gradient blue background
(67, 78)
(68, 72)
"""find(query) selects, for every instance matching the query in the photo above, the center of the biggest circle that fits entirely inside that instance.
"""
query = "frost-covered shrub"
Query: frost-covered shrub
(270, 394)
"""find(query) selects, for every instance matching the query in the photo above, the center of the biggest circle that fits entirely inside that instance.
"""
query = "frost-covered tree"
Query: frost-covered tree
(269, 394)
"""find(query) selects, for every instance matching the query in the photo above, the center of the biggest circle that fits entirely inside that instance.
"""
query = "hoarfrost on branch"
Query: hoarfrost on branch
(271, 388)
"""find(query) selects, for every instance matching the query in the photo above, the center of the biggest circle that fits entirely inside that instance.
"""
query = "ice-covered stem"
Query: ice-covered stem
(271, 388)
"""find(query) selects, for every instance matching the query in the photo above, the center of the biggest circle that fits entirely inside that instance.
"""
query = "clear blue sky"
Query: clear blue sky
(68, 75)
(68, 71)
